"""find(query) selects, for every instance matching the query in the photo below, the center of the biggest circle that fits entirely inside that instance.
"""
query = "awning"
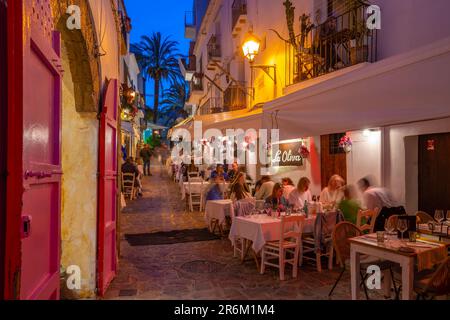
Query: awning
(185, 124)
(406, 88)
(242, 119)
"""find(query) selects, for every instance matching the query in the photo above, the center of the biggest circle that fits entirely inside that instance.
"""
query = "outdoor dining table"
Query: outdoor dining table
(425, 253)
(218, 210)
(198, 187)
(259, 229)
(441, 231)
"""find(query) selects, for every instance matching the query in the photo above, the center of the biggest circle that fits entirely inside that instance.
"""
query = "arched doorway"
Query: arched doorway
(79, 141)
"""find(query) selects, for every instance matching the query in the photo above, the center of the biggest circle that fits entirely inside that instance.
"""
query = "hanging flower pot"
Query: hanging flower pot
(304, 152)
(346, 144)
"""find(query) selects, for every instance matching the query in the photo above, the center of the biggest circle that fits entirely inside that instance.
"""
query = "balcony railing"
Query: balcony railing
(235, 97)
(340, 42)
(211, 106)
(214, 48)
(239, 8)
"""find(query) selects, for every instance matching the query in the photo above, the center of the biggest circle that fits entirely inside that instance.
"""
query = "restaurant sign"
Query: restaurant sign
(287, 154)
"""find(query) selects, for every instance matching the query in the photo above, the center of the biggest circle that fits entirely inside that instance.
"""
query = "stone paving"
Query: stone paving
(200, 270)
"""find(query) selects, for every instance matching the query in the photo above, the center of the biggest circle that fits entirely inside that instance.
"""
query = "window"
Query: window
(334, 143)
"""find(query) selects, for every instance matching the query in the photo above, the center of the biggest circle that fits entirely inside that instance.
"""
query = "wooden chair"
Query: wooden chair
(310, 244)
(370, 216)
(196, 198)
(241, 207)
(423, 217)
(193, 174)
(340, 236)
(290, 243)
(128, 185)
(434, 284)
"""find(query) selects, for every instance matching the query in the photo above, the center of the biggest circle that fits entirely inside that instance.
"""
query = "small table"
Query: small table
(218, 210)
(368, 245)
(257, 230)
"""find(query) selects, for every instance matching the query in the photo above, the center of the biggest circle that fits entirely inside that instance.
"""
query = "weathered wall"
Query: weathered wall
(85, 74)
(79, 188)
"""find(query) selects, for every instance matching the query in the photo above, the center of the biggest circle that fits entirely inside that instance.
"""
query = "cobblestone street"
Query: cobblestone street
(199, 270)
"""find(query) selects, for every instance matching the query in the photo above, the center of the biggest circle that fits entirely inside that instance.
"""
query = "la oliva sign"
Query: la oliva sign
(287, 155)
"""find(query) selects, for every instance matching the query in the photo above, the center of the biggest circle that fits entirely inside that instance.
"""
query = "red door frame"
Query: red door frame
(104, 227)
(12, 240)
(3, 135)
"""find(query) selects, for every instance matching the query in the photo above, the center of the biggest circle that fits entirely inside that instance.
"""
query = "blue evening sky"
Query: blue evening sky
(165, 16)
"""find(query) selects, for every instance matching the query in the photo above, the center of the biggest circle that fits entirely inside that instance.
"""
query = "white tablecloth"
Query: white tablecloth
(197, 187)
(218, 209)
(261, 229)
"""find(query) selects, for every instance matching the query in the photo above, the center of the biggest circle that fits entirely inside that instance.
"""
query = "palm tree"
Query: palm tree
(158, 59)
(173, 104)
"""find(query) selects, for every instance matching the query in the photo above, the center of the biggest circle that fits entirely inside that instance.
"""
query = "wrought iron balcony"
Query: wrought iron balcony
(211, 106)
(239, 16)
(235, 97)
(340, 42)
(214, 51)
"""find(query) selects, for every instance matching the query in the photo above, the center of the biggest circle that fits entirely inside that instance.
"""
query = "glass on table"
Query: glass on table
(402, 226)
(448, 216)
(412, 236)
(389, 226)
(380, 236)
(439, 215)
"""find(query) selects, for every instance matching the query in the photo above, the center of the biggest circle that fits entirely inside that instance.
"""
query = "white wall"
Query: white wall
(396, 173)
(365, 157)
(409, 24)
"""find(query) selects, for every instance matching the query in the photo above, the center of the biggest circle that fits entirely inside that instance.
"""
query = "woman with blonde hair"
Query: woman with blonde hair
(334, 193)
(301, 194)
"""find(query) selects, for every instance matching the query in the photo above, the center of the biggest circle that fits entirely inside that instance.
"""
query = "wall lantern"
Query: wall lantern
(251, 46)
(250, 49)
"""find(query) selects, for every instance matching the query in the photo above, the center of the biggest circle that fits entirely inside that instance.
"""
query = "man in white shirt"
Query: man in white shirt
(375, 197)
(266, 188)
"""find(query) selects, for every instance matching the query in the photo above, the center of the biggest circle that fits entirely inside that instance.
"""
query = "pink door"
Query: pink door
(41, 156)
(108, 189)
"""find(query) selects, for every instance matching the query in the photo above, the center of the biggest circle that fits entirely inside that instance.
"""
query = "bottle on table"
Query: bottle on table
(305, 208)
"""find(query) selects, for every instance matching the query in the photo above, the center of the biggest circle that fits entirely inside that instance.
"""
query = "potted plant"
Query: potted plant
(346, 144)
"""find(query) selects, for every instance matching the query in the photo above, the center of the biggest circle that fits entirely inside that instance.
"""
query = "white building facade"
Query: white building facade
(384, 87)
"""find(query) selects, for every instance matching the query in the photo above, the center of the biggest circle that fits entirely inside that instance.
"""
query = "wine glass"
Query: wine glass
(402, 226)
(439, 216)
(389, 226)
(448, 217)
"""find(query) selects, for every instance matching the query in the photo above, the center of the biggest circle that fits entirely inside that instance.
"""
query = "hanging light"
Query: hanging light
(251, 46)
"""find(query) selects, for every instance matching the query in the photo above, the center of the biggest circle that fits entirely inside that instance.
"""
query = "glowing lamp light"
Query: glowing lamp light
(251, 46)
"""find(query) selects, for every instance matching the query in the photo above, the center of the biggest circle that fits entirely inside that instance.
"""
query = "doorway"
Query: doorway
(3, 136)
(333, 158)
(434, 172)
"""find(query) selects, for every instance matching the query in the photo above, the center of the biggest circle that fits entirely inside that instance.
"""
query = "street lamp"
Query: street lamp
(250, 48)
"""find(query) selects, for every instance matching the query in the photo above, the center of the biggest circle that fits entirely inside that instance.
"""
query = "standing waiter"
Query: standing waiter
(146, 155)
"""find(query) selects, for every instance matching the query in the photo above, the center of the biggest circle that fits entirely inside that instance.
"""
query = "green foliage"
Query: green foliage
(158, 59)
(153, 141)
